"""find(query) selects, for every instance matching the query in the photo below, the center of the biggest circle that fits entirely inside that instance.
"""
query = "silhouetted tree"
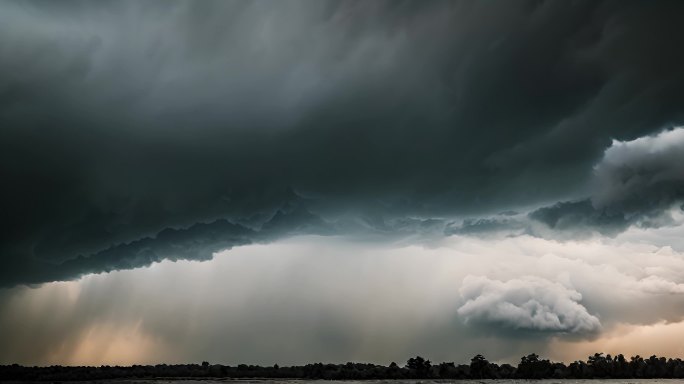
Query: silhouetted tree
(447, 370)
(599, 365)
(531, 366)
(479, 367)
(419, 366)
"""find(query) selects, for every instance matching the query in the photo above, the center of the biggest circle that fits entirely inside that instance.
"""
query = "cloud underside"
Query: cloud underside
(215, 124)
(637, 183)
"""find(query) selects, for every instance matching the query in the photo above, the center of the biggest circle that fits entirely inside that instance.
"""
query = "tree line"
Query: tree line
(597, 366)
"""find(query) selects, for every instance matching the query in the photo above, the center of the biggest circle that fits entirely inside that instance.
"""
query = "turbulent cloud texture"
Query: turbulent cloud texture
(530, 303)
(642, 176)
(122, 120)
(636, 182)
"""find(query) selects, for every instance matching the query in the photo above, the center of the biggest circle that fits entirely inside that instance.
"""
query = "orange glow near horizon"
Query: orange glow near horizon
(108, 345)
(662, 339)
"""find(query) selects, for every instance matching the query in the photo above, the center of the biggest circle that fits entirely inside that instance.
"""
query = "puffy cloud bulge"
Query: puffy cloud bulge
(529, 303)
(133, 133)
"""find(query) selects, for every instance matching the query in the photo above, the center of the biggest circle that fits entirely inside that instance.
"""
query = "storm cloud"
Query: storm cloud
(643, 175)
(122, 120)
(637, 182)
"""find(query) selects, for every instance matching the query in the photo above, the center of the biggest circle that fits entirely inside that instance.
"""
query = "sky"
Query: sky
(299, 181)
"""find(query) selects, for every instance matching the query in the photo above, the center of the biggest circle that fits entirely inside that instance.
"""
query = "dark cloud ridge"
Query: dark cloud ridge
(198, 242)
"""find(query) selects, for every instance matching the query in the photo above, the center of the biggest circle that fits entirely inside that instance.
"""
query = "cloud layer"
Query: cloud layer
(122, 120)
(636, 183)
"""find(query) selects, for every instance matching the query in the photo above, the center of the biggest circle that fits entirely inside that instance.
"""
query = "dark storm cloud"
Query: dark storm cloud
(636, 182)
(121, 119)
(197, 242)
(486, 225)
(641, 176)
(574, 215)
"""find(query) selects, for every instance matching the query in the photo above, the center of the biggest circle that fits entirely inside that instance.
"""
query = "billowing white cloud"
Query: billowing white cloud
(527, 303)
(657, 284)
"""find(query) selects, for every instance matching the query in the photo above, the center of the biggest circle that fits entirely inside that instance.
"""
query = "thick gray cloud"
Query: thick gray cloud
(529, 304)
(121, 119)
(641, 176)
(581, 217)
(637, 182)
(197, 242)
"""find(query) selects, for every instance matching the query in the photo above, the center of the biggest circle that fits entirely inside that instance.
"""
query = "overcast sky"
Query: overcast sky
(297, 181)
